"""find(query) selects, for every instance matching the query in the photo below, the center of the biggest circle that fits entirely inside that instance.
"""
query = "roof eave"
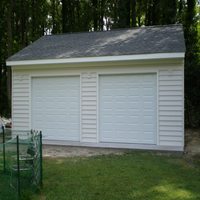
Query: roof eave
(98, 59)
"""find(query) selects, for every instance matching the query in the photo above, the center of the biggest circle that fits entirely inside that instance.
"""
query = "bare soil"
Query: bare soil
(192, 141)
(192, 148)
(69, 151)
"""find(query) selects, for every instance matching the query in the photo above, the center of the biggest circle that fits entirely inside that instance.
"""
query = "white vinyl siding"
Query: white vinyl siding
(89, 107)
(20, 101)
(171, 104)
(170, 97)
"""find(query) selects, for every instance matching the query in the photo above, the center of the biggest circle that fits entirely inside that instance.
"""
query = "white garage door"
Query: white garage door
(56, 107)
(128, 108)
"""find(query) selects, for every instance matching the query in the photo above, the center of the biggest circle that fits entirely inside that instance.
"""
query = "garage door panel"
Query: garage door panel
(56, 107)
(148, 104)
(128, 108)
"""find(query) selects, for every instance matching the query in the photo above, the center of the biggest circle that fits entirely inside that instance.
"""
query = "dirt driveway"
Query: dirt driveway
(192, 138)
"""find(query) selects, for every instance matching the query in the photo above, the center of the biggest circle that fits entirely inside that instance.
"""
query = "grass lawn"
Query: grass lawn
(136, 175)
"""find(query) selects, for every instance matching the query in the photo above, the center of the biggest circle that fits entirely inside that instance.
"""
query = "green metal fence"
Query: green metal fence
(21, 161)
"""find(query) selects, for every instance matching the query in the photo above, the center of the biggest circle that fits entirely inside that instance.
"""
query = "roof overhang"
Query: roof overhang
(98, 59)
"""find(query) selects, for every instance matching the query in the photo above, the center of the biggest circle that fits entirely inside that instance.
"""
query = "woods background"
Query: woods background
(24, 21)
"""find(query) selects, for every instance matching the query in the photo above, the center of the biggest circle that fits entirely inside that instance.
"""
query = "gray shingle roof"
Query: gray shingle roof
(145, 40)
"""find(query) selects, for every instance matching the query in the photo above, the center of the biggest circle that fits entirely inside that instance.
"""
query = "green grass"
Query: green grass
(137, 175)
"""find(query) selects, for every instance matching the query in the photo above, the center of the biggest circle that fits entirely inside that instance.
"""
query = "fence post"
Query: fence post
(4, 151)
(18, 169)
(41, 161)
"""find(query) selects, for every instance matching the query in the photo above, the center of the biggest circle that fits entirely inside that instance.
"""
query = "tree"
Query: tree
(21, 23)
(192, 66)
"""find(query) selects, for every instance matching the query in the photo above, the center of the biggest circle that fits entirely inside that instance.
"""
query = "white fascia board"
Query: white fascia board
(98, 59)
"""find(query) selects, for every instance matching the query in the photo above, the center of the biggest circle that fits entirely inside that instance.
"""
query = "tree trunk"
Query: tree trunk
(139, 12)
(133, 5)
(148, 13)
(22, 23)
(124, 13)
(10, 48)
(53, 8)
(95, 14)
(155, 10)
(65, 16)
(115, 9)
(102, 4)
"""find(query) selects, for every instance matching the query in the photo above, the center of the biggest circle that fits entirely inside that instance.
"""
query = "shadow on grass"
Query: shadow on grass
(10, 193)
(6, 192)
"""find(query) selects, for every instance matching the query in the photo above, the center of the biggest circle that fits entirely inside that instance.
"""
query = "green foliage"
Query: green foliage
(24, 21)
(21, 23)
(192, 66)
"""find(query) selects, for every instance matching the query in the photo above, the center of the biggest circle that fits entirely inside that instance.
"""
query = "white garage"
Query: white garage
(120, 89)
